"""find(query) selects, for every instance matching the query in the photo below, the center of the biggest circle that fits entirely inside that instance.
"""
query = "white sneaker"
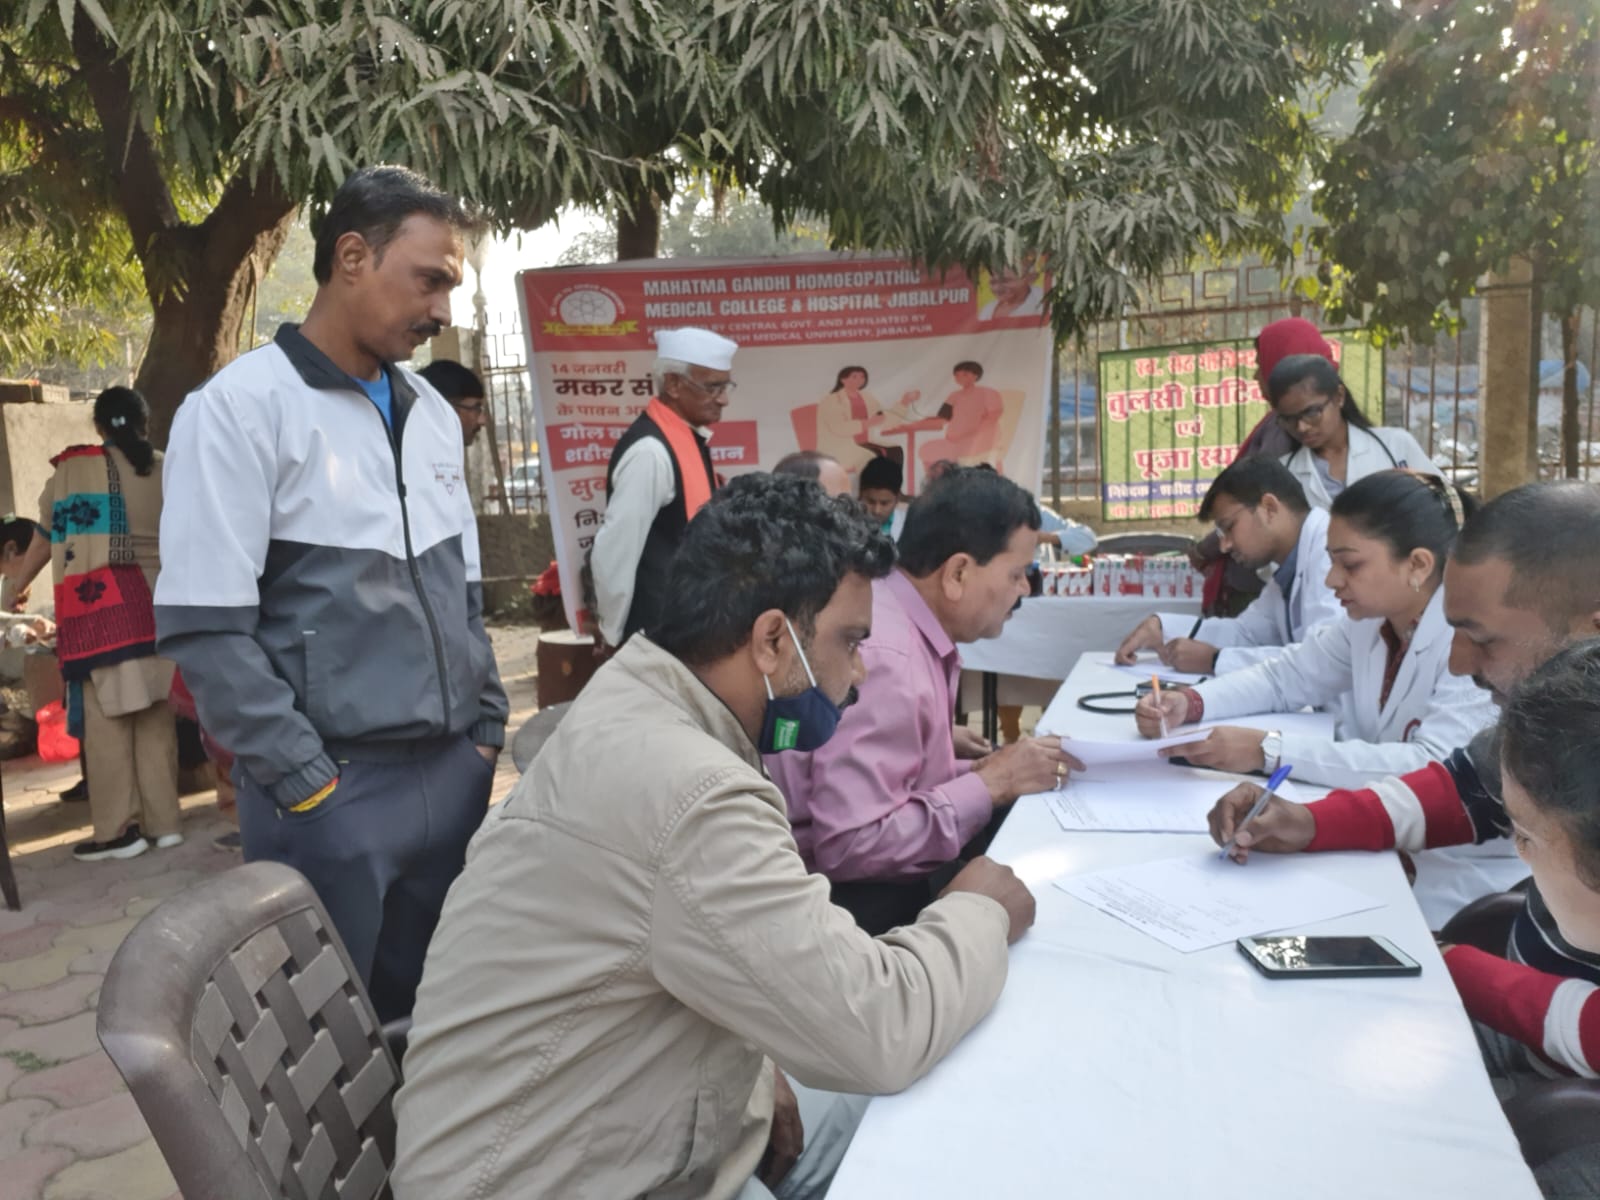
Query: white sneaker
(167, 841)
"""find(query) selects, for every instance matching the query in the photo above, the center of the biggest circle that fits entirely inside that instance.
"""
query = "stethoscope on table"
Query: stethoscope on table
(1109, 703)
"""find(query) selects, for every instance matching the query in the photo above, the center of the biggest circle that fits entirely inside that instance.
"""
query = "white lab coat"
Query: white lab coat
(1339, 668)
(1379, 449)
(1263, 629)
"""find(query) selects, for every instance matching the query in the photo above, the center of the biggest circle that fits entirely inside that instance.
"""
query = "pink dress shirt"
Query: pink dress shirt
(886, 798)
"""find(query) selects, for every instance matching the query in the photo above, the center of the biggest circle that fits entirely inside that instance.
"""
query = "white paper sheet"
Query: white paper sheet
(1197, 902)
(1124, 799)
(1093, 752)
(1143, 670)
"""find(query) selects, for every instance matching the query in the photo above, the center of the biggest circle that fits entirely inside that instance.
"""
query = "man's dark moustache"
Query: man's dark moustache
(851, 696)
(432, 329)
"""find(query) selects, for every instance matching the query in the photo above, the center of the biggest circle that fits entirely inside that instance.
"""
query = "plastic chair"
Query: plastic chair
(535, 732)
(1553, 1118)
(248, 1041)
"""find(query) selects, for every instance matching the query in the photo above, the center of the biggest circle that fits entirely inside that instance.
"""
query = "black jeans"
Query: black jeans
(381, 852)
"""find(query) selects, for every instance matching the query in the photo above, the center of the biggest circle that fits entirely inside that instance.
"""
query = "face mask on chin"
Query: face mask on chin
(803, 722)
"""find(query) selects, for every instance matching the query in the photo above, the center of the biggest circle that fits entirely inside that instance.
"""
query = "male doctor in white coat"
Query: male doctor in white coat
(1263, 520)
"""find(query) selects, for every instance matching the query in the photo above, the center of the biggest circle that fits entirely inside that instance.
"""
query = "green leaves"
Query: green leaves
(1477, 143)
(1112, 138)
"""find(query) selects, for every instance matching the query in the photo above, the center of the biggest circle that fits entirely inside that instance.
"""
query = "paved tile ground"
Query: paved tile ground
(68, 1128)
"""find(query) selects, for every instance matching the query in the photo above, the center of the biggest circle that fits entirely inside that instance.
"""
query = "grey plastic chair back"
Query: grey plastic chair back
(535, 732)
(249, 1043)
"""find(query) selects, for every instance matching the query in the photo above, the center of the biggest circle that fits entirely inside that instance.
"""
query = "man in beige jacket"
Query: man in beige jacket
(635, 941)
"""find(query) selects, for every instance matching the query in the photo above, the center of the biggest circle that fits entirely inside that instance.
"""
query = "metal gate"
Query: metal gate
(1431, 389)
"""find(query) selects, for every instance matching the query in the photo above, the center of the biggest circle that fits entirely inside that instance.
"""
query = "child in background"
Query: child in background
(1541, 1000)
(878, 489)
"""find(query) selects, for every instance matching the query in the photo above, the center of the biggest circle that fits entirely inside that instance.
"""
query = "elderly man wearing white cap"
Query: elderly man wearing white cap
(660, 476)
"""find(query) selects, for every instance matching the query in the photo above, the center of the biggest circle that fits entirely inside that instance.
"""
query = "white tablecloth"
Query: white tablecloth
(1044, 637)
(1114, 1068)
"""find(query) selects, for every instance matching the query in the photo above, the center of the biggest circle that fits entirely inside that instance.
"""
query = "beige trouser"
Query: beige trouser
(132, 767)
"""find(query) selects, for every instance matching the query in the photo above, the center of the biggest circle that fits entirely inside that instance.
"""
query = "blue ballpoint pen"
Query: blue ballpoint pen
(1258, 807)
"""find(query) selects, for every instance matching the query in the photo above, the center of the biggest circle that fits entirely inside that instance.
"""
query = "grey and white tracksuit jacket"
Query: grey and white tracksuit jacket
(320, 584)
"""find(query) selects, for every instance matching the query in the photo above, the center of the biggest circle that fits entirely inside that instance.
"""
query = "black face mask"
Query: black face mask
(802, 722)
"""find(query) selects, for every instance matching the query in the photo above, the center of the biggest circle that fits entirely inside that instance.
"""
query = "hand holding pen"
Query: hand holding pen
(1250, 817)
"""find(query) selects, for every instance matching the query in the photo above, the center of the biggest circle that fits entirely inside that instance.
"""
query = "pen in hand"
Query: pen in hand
(1257, 808)
(1155, 688)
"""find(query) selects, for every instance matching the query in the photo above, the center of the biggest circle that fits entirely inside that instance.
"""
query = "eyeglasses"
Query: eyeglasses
(1309, 415)
(718, 388)
(476, 409)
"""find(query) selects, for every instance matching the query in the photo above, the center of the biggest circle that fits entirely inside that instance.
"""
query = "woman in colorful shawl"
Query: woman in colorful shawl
(100, 514)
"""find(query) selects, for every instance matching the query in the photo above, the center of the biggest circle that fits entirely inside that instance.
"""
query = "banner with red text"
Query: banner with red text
(1172, 417)
(846, 355)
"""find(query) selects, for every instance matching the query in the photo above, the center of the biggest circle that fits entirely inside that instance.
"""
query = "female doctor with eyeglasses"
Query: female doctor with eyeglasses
(1335, 445)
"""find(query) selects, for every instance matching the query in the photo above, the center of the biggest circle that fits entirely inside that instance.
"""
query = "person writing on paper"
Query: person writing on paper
(899, 793)
(1262, 519)
(1381, 669)
(635, 964)
(659, 476)
(1335, 444)
(1523, 581)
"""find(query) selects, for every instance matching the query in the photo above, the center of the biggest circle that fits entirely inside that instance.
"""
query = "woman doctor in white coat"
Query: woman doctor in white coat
(1382, 670)
(1335, 444)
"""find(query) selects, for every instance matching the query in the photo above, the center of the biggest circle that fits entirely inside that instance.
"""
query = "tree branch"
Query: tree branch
(244, 212)
(140, 189)
(46, 124)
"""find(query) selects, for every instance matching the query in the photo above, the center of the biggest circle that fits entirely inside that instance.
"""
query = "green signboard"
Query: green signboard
(1171, 417)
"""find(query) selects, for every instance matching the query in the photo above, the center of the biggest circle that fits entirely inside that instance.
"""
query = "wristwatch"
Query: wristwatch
(1271, 750)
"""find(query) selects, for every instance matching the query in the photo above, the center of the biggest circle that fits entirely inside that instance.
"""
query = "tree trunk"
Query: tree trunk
(638, 223)
(199, 277)
(199, 325)
(1571, 457)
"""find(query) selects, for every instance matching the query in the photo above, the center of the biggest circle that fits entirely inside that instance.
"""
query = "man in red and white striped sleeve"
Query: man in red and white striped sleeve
(1522, 583)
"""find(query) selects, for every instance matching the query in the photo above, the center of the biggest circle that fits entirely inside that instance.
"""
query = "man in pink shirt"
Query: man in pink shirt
(897, 793)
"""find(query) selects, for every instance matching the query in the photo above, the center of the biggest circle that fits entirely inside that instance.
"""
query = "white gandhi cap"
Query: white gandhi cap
(699, 347)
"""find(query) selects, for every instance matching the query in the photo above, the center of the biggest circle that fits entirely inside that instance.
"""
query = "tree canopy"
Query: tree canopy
(1477, 143)
(696, 225)
(165, 145)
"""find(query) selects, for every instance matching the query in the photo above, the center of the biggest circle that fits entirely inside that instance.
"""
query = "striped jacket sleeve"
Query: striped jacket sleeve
(1558, 1018)
(1449, 803)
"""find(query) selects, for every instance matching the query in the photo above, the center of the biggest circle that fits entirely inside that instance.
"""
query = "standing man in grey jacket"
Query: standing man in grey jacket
(635, 964)
(320, 586)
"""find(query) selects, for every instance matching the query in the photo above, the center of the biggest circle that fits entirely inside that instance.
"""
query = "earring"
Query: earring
(1415, 586)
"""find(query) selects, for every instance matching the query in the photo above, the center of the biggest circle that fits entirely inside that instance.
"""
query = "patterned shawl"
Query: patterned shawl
(104, 611)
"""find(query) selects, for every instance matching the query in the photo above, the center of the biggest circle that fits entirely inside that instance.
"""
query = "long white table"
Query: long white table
(1114, 1068)
(1043, 638)
(1042, 641)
